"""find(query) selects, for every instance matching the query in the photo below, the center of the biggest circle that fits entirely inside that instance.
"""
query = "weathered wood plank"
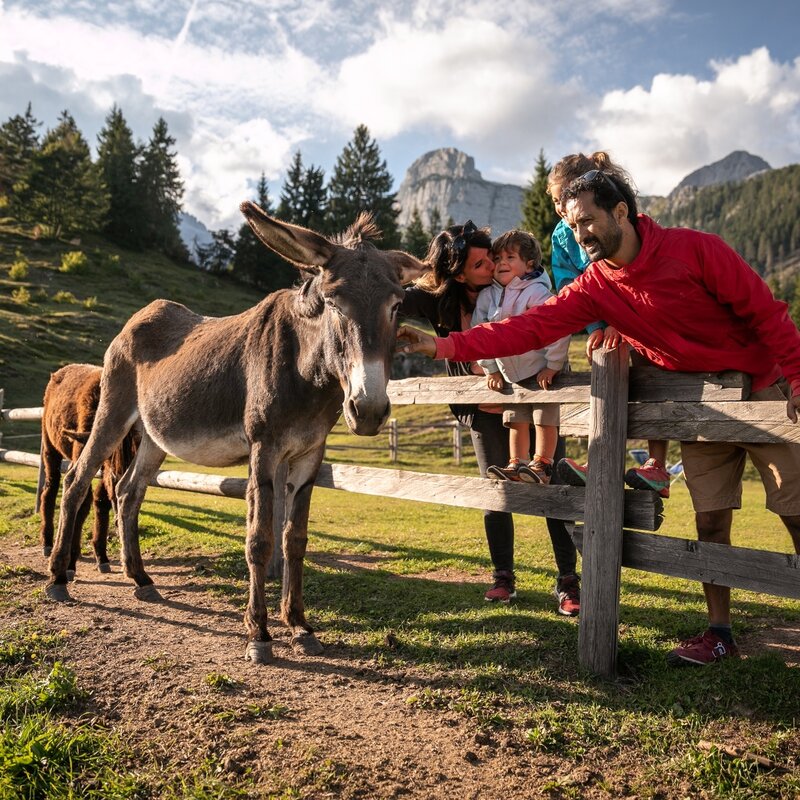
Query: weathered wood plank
(643, 510)
(648, 384)
(702, 422)
(654, 385)
(602, 545)
(22, 414)
(725, 565)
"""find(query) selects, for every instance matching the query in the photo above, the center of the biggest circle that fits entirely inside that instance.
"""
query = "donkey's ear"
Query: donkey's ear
(302, 247)
(408, 267)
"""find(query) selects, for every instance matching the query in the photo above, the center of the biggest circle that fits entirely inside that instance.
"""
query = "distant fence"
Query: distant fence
(613, 525)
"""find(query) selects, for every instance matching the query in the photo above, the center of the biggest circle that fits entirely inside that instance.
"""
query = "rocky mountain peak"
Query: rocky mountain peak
(446, 180)
(736, 166)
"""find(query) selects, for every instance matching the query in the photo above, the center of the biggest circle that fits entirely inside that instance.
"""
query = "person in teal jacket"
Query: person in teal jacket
(569, 260)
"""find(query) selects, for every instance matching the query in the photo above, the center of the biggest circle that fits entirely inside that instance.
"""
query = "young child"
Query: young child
(520, 282)
(569, 261)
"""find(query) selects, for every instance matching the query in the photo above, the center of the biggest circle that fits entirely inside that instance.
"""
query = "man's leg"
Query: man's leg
(715, 526)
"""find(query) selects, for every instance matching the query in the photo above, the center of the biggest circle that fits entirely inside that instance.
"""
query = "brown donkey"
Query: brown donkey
(263, 387)
(70, 403)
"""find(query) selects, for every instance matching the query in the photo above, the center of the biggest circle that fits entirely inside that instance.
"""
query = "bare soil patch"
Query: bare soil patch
(327, 726)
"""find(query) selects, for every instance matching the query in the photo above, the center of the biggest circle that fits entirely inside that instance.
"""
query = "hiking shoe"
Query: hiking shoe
(571, 472)
(568, 594)
(651, 475)
(537, 471)
(509, 473)
(707, 648)
(504, 588)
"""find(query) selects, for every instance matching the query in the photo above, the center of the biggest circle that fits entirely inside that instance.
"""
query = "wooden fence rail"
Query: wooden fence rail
(611, 404)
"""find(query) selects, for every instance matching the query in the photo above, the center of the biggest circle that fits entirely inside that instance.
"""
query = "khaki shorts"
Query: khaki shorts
(714, 470)
(535, 413)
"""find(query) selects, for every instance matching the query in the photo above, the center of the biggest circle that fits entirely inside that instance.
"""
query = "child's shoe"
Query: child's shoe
(651, 475)
(509, 473)
(504, 589)
(538, 471)
(571, 472)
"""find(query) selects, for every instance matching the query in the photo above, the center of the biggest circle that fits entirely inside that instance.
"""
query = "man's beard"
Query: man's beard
(600, 247)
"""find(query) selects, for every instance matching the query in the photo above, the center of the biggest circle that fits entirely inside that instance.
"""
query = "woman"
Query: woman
(461, 264)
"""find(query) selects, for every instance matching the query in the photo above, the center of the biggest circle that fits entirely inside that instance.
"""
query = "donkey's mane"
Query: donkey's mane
(362, 230)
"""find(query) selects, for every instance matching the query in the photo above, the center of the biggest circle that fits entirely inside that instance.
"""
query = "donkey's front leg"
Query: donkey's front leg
(258, 551)
(300, 483)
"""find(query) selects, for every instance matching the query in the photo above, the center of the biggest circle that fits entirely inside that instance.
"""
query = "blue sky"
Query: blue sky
(665, 86)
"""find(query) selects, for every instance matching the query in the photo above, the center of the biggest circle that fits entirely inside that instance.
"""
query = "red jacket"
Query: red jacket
(687, 302)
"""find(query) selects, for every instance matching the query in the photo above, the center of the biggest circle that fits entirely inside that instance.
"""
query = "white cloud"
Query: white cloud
(680, 123)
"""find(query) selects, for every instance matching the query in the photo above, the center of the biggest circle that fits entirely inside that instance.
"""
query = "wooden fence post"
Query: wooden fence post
(393, 443)
(457, 443)
(2, 397)
(603, 515)
(275, 568)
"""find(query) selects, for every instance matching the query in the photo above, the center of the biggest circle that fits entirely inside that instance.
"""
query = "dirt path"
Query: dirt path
(328, 726)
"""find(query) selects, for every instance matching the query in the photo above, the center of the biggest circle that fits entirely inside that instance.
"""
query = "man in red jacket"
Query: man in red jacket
(687, 302)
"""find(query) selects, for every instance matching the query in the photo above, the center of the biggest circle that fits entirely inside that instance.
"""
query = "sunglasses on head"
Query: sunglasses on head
(460, 242)
(598, 176)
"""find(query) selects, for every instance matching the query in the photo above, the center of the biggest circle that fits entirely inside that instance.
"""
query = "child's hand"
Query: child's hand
(545, 377)
(609, 338)
(495, 381)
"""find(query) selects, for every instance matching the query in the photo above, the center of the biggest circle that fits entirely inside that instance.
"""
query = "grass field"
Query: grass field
(393, 584)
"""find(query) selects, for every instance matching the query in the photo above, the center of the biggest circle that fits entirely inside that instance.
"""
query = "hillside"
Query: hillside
(60, 323)
(757, 216)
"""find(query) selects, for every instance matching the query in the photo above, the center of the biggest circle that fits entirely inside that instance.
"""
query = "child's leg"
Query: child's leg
(658, 450)
(546, 440)
(519, 440)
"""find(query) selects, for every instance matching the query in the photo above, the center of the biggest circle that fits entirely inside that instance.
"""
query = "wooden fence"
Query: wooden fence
(614, 526)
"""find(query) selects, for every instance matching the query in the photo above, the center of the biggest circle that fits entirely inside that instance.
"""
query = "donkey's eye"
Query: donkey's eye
(395, 309)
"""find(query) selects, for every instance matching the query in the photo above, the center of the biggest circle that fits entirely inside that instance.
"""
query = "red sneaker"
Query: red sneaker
(571, 472)
(568, 594)
(651, 475)
(707, 648)
(504, 589)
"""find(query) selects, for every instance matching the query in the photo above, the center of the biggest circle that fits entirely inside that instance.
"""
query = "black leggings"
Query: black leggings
(490, 440)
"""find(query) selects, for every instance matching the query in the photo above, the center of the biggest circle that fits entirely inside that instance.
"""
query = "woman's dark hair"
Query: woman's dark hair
(607, 190)
(447, 255)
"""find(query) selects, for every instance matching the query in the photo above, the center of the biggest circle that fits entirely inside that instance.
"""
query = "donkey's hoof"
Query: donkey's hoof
(258, 652)
(47, 551)
(307, 644)
(104, 567)
(70, 575)
(148, 593)
(57, 592)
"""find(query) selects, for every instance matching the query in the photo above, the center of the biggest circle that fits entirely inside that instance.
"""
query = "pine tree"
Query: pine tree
(64, 190)
(218, 255)
(18, 143)
(313, 205)
(415, 237)
(361, 182)
(290, 205)
(162, 191)
(117, 156)
(434, 223)
(538, 214)
(255, 264)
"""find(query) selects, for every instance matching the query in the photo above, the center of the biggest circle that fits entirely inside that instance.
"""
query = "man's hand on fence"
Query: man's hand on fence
(792, 407)
(413, 340)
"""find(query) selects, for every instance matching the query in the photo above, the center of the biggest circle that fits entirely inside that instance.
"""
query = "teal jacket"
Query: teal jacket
(569, 260)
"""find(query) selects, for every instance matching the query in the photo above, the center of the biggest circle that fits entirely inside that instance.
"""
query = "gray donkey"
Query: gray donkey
(263, 387)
